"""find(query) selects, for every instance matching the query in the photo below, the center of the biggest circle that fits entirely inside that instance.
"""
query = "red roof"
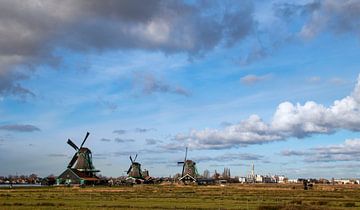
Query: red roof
(84, 176)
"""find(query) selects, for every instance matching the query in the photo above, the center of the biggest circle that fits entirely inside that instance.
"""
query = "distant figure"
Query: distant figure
(305, 183)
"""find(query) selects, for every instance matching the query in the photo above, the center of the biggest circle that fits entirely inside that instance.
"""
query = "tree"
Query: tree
(206, 174)
(226, 173)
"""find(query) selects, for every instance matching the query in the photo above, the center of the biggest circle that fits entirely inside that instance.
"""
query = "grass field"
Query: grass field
(235, 196)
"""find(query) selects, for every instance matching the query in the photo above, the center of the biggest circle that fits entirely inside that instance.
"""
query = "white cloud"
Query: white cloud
(347, 151)
(289, 120)
(337, 81)
(314, 79)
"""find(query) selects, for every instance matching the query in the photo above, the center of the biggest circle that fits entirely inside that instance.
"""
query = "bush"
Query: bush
(350, 204)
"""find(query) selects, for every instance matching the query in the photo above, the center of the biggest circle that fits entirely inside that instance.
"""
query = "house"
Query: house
(187, 178)
(242, 179)
(259, 178)
(342, 181)
(280, 179)
(74, 176)
(293, 181)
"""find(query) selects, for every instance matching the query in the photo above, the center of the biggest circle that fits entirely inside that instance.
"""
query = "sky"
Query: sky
(270, 83)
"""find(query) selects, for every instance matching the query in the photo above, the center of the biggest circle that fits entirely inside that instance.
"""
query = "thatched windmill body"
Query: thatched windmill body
(82, 158)
(134, 170)
(189, 171)
(80, 169)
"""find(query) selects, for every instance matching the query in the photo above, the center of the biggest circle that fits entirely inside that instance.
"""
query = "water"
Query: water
(20, 185)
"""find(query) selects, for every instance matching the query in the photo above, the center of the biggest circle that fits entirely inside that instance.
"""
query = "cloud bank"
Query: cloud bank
(33, 32)
(226, 158)
(348, 151)
(19, 128)
(289, 120)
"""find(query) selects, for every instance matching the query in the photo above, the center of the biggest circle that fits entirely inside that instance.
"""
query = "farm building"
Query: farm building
(74, 176)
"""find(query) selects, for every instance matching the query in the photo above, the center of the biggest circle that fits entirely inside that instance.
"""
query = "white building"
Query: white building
(242, 179)
(259, 178)
(280, 179)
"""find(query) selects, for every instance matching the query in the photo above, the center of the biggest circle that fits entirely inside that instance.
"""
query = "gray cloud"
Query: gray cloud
(229, 157)
(255, 54)
(19, 128)
(157, 161)
(100, 156)
(105, 139)
(149, 85)
(143, 130)
(152, 141)
(177, 146)
(348, 151)
(337, 81)
(32, 30)
(108, 104)
(123, 153)
(119, 140)
(252, 79)
(57, 155)
(225, 124)
(143, 151)
(289, 10)
(119, 131)
(314, 79)
(293, 153)
(289, 120)
(333, 16)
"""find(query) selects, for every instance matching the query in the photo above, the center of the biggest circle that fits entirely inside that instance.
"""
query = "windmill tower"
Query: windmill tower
(189, 171)
(82, 158)
(134, 170)
(84, 171)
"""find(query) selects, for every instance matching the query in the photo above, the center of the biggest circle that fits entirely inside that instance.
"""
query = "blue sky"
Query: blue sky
(274, 83)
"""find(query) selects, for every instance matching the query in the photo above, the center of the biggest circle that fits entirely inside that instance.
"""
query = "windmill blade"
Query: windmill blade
(72, 144)
(72, 161)
(87, 135)
(135, 157)
(183, 170)
(129, 169)
(131, 159)
(186, 154)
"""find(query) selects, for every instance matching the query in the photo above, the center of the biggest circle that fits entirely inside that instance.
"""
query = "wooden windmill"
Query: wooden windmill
(80, 169)
(189, 171)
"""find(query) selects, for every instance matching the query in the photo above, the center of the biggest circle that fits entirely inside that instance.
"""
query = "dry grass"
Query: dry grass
(278, 197)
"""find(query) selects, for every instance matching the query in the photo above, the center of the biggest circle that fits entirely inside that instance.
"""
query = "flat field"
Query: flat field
(232, 196)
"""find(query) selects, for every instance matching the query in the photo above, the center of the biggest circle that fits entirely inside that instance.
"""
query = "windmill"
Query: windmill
(134, 170)
(189, 172)
(82, 158)
(83, 172)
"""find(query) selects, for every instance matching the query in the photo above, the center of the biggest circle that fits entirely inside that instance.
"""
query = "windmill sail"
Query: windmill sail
(82, 159)
(134, 169)
(73, 145)
(188, 169)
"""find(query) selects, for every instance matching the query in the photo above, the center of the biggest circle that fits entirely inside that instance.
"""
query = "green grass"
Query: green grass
(261, 197)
